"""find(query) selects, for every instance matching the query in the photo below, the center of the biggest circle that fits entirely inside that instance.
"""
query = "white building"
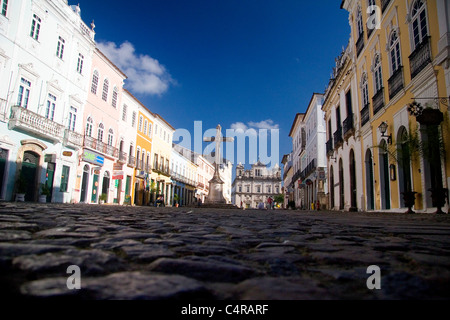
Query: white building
(298, 136)
(45, 63)
(313, 156)
(251, 187)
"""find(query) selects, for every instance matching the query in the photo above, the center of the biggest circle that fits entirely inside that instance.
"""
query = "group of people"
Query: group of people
(270, 204)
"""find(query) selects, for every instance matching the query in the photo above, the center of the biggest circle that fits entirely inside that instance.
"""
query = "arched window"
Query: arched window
(110, 137)
(377, 74)
(394, 52)
(94, 85)
(419, 22)
(89, 124)
(365, 90)
(114, 97)
(145, 126)
(101, 129)
(105, 90)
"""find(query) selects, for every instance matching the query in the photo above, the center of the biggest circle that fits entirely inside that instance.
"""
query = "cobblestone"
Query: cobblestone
(176, 253)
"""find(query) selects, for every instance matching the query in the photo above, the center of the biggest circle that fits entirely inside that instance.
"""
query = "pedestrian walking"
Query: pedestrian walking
(270, 202)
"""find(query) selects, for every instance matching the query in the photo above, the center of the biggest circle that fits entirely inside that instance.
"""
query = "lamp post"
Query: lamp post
(383, 129)
(430, 119)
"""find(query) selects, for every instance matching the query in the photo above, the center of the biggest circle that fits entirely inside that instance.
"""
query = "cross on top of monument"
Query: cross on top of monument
(218, 139)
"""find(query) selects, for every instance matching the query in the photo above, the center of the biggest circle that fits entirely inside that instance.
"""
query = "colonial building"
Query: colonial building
(184, 176)
(251, 187)
(298, 135)
(398, 66)
(45, 66)
(100, 151)
(288, 185)
(343, 146)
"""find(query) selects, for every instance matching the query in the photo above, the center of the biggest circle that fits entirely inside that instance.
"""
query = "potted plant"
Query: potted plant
(176, 198)
(102, 198)
(45, 193)
(21, 187)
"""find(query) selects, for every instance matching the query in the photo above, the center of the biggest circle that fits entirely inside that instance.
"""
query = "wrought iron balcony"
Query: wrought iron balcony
(73, 139)
(420, 58)
(378, 101)
(338, 139)
(396, 82)
(330, 147)
(122, 157)
(132, 162)
(25, 120)
(360, 43)
(384, 4)
(140, 165)
(365, 114)
(349, 127)
(101, 147)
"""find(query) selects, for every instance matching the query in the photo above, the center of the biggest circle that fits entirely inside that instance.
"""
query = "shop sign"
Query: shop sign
(93, 157)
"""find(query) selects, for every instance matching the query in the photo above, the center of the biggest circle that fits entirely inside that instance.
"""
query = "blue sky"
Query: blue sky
(223, 61)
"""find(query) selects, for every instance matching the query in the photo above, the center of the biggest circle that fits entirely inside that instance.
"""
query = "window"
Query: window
(24, 93)
(359, 22)
(89, 124)
(110, 137)
(105, 90)
(248, 189)
(419, 22)
(60, 48)
(240, 189)
(145, 126)
(167, 165)
(80, 63)
(394, 51)
(51, 105)
(124, 112)
(114, 97)
(269, 189)
(258, 189)
(101, 128)
(141, 120)
(155, 161)
(377, 74)
(133, 120)
(94, 85)
(162, 164)
(4, 7)
(65, 179)
(150, 130)
(72, 118)
(35, 27)
(365, 90)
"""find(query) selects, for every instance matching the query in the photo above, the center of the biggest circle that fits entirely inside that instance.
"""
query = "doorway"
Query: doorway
(84, 184)
(369, 181)
(332, 188)
(105, 185)
(30, 166)
(49, 179)
(341, 186)
(384, 177)
(353, 192)
(3, 159)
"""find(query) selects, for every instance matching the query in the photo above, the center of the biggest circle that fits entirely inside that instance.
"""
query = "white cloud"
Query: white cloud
(145, 74)
(266, 124)
(239, 126)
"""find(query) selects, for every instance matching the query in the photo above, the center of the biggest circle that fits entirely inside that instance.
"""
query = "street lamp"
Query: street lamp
(383, 129)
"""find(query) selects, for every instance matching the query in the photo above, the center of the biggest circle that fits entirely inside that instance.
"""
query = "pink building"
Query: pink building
(103, 156)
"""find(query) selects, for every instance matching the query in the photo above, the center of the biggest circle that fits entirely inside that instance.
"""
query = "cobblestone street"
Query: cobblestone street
(184, 253)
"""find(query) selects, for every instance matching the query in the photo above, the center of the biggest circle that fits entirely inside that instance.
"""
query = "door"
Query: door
(331, 188)
(105, 185)
(30, 165)
(384, 177)
(353, 182)
(84, 184)
(95, 188)
(341, 186)
(49, 179)
(3, 159)
(369, 181)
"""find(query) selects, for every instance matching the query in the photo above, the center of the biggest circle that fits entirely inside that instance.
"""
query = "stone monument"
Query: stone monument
(215, 196)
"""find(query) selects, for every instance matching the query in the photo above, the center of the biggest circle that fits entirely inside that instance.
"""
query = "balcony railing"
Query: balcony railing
(26, 120)
(73, 139)
(378, 101)
(349, 127)
(310, 168)
(122, 157)
(365, 114)
(384, 4)
(139, 165)
(180, 178)
(330, 147)
(132, 162)
(101, 147)
(396, 82)
(338, 139)
(360, 44)
(420, 58)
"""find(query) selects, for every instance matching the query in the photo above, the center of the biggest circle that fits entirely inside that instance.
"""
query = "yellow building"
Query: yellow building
(144, 143)
(401, 59)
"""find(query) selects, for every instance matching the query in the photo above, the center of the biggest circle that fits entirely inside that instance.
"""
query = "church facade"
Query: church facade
(251, 187)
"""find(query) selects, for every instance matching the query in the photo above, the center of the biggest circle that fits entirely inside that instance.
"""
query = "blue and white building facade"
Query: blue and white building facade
(45, 61)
